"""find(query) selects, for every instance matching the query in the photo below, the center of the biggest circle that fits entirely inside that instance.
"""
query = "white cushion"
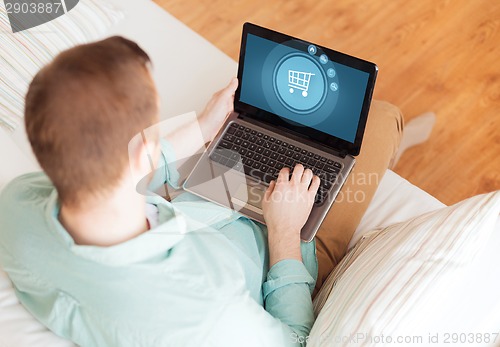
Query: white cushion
(25, 52)
(435, 274)
(396, 200)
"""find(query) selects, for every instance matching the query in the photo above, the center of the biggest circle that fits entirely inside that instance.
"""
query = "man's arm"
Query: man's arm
(287, 205)
(209, 122)
(184, 142)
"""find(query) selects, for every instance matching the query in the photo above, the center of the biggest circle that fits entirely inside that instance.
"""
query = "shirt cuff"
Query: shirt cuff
(286, 272)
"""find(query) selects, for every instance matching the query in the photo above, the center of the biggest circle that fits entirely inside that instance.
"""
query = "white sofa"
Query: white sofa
(187, 69)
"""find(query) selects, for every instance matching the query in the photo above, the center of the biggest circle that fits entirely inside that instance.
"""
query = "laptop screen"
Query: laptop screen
(304, 86)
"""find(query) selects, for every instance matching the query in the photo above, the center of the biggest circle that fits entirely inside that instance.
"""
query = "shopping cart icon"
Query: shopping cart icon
(299, 80)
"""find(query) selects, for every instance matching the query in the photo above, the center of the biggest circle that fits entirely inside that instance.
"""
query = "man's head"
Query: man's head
(83, 109)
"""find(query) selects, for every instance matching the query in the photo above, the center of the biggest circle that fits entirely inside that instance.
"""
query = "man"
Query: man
(102, 265)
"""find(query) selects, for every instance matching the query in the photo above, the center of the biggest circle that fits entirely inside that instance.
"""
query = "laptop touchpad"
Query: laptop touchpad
(249, 197)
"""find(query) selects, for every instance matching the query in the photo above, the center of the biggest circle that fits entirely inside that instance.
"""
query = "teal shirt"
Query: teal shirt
(200, 278)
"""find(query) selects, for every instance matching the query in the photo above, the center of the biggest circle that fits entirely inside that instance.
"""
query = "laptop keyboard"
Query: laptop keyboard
(263, 156)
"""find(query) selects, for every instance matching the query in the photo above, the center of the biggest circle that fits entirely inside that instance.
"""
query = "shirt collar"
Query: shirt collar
(151, 244)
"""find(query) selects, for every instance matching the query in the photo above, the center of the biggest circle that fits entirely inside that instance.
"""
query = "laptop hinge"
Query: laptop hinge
(343, 153)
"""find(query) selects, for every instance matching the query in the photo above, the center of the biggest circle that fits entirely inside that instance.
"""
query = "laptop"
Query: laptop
(297, 102)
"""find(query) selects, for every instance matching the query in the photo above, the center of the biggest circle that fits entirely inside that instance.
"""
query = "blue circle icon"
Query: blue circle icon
(330, 72)
(334, 86)
(299, 83)
(311, 49)
(323, 59)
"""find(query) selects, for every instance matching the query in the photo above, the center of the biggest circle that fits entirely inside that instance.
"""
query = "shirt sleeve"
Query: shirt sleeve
(166, 170)
(287, 295)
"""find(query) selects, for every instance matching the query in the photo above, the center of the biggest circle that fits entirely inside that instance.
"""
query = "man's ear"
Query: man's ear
(143, 156)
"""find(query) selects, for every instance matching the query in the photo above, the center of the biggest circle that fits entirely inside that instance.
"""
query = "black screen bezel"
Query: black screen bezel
(310, 133)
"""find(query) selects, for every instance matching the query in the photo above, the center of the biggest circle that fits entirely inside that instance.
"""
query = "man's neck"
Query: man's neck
(107, 220)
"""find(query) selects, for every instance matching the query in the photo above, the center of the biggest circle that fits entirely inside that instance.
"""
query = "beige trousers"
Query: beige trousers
(383, 133)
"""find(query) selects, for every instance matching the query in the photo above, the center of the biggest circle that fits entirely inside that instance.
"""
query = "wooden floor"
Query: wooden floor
(433, 55)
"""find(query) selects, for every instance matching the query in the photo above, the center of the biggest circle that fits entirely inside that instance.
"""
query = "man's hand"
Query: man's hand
(217, 110)
(287, 205)
(185, 139)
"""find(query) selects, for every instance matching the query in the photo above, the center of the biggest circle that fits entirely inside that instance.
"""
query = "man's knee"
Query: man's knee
(389, 114)
(387, 122)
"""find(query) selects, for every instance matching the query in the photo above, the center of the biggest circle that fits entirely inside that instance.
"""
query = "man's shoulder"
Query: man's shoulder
(26, 185)
(23, 194)
(22, 216)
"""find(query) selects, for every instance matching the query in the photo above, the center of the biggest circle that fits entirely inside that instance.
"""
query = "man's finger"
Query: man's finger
(283, 175)
(231, 87)
(314, 184)
(269, 190)
(307, 177)
(297, 173)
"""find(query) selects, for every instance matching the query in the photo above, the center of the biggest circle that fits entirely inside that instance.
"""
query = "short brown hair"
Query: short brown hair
(83, 109)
